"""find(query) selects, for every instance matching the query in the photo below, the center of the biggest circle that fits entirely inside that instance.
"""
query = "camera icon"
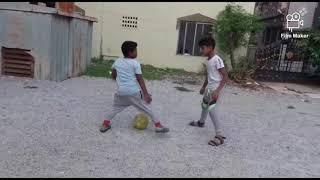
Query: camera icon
(293, 21)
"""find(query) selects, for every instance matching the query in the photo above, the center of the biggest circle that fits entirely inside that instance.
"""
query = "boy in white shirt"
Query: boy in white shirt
(132, 90)
(216, 78)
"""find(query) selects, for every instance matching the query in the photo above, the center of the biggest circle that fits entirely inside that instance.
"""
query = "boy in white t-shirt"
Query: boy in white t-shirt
(132, 90)
(216, 78)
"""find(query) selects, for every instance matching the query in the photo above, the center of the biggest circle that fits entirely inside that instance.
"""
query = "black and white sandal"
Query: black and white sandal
(196, 123)
(217, 140)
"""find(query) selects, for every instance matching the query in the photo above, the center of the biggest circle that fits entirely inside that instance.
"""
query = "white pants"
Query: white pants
(121, 102)
(213, 113)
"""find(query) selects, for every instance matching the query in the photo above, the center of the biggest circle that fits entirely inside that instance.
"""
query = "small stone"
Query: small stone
(291, 107)
(30, 87)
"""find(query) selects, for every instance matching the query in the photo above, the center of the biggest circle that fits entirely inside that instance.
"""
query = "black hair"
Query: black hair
(127, 47)
(208, 41)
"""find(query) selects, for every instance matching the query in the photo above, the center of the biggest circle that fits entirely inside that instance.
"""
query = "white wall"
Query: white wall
(156, 34)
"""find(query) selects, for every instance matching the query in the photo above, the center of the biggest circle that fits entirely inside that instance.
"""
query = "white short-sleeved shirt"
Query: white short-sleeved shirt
(214, 76)
(126, 75)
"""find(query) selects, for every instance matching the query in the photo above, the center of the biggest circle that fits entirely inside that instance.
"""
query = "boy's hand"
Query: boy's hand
(147, 98)
(202, 90)
(215, 95)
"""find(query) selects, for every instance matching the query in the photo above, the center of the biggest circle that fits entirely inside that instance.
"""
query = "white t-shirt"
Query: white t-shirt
(214, 76)
(126, 75)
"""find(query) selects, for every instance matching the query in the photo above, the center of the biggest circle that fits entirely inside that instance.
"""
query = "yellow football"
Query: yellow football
(141, 121)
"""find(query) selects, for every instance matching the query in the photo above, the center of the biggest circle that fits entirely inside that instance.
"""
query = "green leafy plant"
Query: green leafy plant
(243, 70)
(312, 45)
(233, 28)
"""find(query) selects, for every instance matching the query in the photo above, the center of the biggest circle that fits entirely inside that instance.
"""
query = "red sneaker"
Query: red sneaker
(106, 125)
(160, 128)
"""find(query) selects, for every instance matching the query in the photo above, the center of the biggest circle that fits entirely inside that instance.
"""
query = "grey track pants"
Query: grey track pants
(122, 102)
(213, 113)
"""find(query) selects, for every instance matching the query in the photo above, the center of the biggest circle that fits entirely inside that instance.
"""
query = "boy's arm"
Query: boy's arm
(141, 83)
(223, 82)
(205, 83)
(138, 72)
(143, 88)
(114, 74)
(114, 71)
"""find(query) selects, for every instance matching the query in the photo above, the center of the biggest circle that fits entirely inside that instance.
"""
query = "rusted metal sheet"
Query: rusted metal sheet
(68, 7)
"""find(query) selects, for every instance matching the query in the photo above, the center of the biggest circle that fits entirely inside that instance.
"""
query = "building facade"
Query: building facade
(167, 33)
(280, 58)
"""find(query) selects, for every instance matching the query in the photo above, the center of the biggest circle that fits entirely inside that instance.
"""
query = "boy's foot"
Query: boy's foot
(161, 129)
(197, 123)
(105, 126)
(217, 140)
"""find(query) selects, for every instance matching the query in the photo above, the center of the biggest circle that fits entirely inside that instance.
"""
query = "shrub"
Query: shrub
(242, 71)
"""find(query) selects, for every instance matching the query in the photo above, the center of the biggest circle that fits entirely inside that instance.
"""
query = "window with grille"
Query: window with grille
(129, 22)
(190, 34)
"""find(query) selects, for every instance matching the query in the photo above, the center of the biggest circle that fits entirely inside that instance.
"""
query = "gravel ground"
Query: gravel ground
(52, 131)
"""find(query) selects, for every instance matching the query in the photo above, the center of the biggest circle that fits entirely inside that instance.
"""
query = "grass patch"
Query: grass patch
(101, 68)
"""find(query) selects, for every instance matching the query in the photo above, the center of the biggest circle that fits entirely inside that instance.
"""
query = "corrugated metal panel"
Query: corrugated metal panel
(41, 38)
(71, 47)
(22, 31)
(89, 49)
(61, 45)
(59, 48)
(81, 39)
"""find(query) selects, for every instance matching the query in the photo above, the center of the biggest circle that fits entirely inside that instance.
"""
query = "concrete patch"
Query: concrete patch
(314, 96)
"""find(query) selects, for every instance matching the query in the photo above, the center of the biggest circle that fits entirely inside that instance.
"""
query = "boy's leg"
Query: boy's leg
(203, 116)
(204, 113)
(216, 122)
(114, 111)
(201, 122)
(119, 104)
(137, 102)
(218, 138)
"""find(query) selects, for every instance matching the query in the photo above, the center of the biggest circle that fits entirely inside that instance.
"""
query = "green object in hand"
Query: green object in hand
(141, 121)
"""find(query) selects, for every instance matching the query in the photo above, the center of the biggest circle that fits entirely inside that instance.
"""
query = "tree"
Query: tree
(312, 46)
(233, 27)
